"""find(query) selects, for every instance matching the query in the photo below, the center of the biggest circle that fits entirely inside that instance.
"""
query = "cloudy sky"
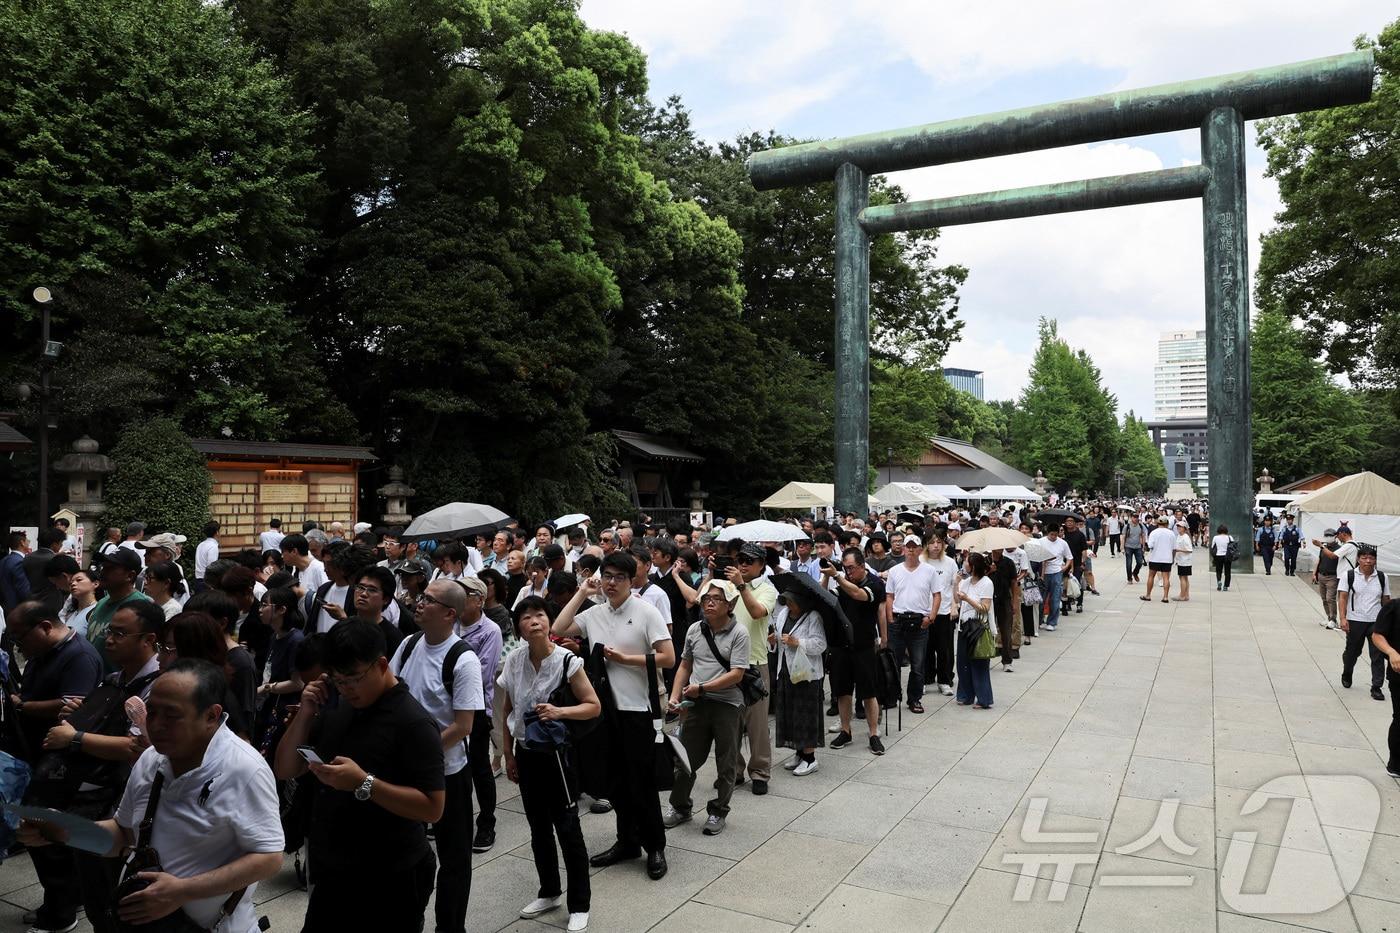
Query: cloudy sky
(1114, 279)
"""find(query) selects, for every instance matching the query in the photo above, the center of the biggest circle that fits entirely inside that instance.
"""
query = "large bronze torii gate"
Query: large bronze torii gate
(1217, 106)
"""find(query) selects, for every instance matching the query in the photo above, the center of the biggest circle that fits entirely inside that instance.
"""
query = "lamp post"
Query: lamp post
(1118, 476)
(889, 465)
(48, 353)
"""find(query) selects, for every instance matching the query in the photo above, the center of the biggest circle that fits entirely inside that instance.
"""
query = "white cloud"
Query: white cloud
(1113, 278)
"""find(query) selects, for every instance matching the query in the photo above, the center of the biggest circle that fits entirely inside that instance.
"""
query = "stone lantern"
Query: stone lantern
(1265, 481)
(697, 496)
(86, 470)
(1041, 483)
(395, 494)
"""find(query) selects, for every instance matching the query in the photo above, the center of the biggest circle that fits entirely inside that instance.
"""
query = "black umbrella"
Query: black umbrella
(916, 518)
(1058, 516)
(838, 627)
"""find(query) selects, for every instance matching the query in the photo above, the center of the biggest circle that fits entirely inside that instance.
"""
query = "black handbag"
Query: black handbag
(142, 858)
(670, 753)
(563, 695)
(751, 686)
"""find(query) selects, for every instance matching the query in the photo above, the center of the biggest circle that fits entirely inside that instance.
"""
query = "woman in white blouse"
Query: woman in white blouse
(165, 585)
(548, 787)
(973, 595)
(798, 629)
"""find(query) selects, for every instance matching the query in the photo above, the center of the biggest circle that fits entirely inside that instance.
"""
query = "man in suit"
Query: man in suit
(14, 584)
(36, 568)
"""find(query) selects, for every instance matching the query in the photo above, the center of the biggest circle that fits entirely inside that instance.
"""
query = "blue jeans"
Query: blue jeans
(1053, 584)
(909, 642)
(974, 678)
(1132, 560)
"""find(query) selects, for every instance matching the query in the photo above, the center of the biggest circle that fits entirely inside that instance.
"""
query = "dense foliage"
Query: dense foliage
(159, 479)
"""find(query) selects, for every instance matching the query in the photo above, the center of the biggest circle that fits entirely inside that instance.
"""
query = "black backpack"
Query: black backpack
(887, 688)
(449, 664)
(1351, 581)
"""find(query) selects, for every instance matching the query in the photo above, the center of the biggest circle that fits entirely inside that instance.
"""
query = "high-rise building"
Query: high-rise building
(969, 380)
(1179, 384)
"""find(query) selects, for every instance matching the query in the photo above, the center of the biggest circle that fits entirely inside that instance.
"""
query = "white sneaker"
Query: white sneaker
(578, 922)
(946, 690)
(805, 768)
(1006, 669)
(834, 728)
(792, 763)
(541, 905)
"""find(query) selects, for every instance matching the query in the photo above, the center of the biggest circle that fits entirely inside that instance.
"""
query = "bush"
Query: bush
(160, 479)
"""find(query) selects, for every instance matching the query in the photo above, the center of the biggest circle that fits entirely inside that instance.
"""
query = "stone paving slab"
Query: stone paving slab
(1127, 704)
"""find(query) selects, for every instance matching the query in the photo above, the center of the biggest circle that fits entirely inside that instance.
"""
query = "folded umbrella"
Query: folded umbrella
(456, 520)
(838, 627)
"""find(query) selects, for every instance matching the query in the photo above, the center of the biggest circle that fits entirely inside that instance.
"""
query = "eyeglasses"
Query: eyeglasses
(426, 600)
(343, 683)
(713, 597)
(118, 635)
(368, 590)
(164, 648)
(616, 578)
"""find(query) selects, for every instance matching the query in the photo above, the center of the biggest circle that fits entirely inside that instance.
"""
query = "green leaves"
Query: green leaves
(160, 479)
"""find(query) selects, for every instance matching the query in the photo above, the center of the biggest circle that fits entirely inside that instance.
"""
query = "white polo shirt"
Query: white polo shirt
(632, 628)
(209, 816)
(1364, 599)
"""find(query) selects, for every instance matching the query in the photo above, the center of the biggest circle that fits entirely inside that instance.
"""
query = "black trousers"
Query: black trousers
(549, 792)
(1357, 634)
(58, 875)
(373, 899)
(1221, 566)
(98, 877)
(1028, 620)
(454, 853)
(632, 781)
(479, 761)
(938, 659)
(1394, 735)
(1290, 560)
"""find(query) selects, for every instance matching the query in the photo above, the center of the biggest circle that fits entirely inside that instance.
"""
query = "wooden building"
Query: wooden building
(1307, 484)
(256, 481)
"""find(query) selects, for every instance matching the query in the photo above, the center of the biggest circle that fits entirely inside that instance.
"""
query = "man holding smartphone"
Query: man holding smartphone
(382, 779)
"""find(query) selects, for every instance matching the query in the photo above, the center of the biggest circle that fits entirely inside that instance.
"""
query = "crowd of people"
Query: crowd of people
(353, 696)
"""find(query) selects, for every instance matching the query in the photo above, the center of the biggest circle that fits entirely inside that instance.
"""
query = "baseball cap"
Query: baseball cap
(724, 586)
(165, 539)
(473, 585)
(1344, 530)
(914, 540)
(121, 557)
(361, 526)
(409, 565)
(755, 551)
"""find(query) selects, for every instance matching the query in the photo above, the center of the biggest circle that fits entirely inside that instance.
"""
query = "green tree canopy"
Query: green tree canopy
(156, 171)
(1330, 262)
(160, 479)
(1304, 423)
(1144, 473)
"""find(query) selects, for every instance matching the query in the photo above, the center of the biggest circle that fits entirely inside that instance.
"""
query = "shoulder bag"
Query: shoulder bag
(751, 686)
(563, 695)
(670, 753)
(142, 858)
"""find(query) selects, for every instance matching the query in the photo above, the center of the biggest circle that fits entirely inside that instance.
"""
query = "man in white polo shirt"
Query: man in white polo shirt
(215, 823)
(626, 628)
(1052, 572)
(1360, 595)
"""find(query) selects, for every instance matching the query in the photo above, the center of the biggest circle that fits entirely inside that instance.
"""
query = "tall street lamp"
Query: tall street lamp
(1118, 475)
(889, 465)
(49, 351)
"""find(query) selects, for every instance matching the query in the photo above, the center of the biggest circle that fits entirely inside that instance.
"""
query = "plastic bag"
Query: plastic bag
(1072, 589)
(800, 669)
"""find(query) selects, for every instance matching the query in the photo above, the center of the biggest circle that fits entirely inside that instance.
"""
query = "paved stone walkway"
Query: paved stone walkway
(1128, 704)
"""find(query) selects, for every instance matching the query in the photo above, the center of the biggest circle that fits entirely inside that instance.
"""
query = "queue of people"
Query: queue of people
(347, 695)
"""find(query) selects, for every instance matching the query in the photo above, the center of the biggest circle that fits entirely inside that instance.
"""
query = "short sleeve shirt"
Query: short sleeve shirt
(526, 686)
(1388, 627)
(1060, 555)
(1184, 550)
(422, 672)
(947, 570)
(732, 642)
(767, 596)
(1364, 594)
(864, 615)
(913, 589)
(397, 741)
(1161, 546)
(207, 817)
(1346, 557)
(632, 628)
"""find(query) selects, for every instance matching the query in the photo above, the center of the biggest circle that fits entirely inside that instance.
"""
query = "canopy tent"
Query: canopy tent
(948, 492)
(1005, 494)
(901, 495)
(797, 495)
(1370, 506)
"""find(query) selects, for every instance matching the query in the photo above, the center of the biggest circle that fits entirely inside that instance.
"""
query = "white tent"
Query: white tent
(796, 495)
(913, 495)
(1369, 504)
(948, 492)
(1005, 494)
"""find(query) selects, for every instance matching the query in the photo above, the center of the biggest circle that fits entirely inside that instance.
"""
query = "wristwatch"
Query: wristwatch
(362, 792)
(76, 742)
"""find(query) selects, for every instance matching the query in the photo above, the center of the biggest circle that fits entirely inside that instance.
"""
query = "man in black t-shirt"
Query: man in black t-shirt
(861, 594)
(1325, 579)
(1385, 636)
(1078, 544)
(381, 779)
